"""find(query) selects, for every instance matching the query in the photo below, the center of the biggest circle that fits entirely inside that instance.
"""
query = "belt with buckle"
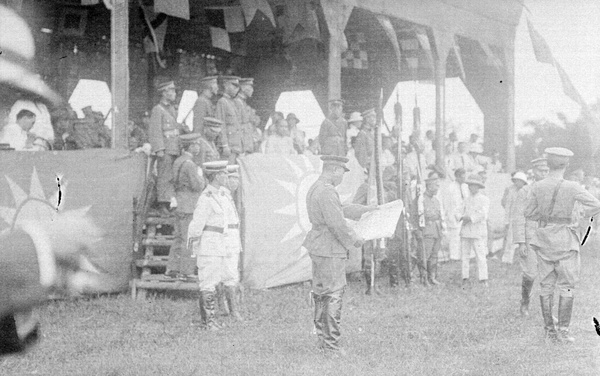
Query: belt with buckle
(220, 230)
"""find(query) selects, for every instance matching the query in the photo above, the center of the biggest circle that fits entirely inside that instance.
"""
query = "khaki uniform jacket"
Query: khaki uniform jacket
(207, 229)
(332, 137)
(233, 240)
(202, 108)
(330, 235)
(364, 147)
(432, 210)
(163, 131)
(558, 234)
(227, 111)
(187, 183)
(521, 226)
(208, 152)
(477, 208)
(246, 115)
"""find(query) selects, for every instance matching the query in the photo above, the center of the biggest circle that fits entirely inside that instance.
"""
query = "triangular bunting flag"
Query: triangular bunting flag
(568, 87)
(160, 32)
(251, 6)
(220, 38)
(230, 18)
(175, 8)
(491, 58)
(540, 47)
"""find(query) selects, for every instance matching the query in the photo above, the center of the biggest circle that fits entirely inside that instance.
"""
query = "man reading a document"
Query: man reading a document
(328, 243)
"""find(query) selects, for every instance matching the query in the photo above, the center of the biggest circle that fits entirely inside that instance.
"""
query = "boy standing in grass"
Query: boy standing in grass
(473, 234)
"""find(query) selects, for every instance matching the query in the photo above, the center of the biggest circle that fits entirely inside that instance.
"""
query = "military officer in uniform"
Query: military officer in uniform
(163, 134)
(204, 106)
(188, 186)
(208, 149)
(230, 140)
(527, 257)
(206, 236)
(365, 139)
(332, 134)
(431, 233)
(233, 243)
(247, 114)
(328, 243)
(557, 239)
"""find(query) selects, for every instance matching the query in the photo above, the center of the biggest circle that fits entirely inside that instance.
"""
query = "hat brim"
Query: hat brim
(21, 78)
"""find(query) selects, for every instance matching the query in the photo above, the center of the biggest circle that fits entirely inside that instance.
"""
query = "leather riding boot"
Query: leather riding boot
(432, 272)
(526, 290)
(331, 316)
(546, 302)
(207, 310)
(317, 318)
(221, 302)
(565, 308)
(234, 308)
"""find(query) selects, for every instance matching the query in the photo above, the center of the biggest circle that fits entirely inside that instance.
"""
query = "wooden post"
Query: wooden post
(444, 41)
(119, 60)
(337, 13)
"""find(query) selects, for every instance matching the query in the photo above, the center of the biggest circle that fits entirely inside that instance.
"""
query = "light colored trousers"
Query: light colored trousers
(454, 243)
(215, 269)
(479, 247)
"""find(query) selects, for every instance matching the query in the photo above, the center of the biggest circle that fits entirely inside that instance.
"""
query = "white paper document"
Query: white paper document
(380, 223)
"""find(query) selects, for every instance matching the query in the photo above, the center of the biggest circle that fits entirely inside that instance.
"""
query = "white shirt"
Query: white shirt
(13, 134)
(477, 208)
(452, 197)
(233, 241)
(43, 124)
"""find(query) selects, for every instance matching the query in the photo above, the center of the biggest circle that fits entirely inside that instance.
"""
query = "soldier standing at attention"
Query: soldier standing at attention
(208, 150)
(163, 135)
(557, 240)
(206, 236)
(365, 139)
(434, 226)
(247, 114)
(332, 134)
(233, 242)
(227, 111)
(204, 106)
(328, 244)
(188, 186)
(527, 257)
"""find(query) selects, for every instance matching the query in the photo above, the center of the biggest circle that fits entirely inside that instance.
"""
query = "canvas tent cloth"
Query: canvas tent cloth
(274, 189)
(99, 182)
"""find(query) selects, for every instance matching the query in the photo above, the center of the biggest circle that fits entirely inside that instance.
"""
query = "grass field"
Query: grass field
(436, 331)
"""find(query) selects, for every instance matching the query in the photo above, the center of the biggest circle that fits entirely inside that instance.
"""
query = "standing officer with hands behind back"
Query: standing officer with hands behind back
(557, 239)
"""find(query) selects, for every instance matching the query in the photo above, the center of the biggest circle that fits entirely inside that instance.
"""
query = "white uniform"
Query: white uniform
(43, 124)
(473, 235)
(233, 241)
(207, 234)
(452, 198)
(15, 136)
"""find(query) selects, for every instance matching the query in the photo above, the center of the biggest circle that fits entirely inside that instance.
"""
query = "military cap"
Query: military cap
(212, 122)
(519, 175)
(355, 117)
(335, 160)
(215, 166)
(369, 112)
(292, 116)
(165, 85)
(336, 101)
(558, 152)
(539, 162)
(475, 180)
(190, 138)
(233, 170)
(247, 81)
(233, 79)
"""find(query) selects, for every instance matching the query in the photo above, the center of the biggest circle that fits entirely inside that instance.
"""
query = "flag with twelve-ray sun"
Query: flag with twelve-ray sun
(274, 189)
